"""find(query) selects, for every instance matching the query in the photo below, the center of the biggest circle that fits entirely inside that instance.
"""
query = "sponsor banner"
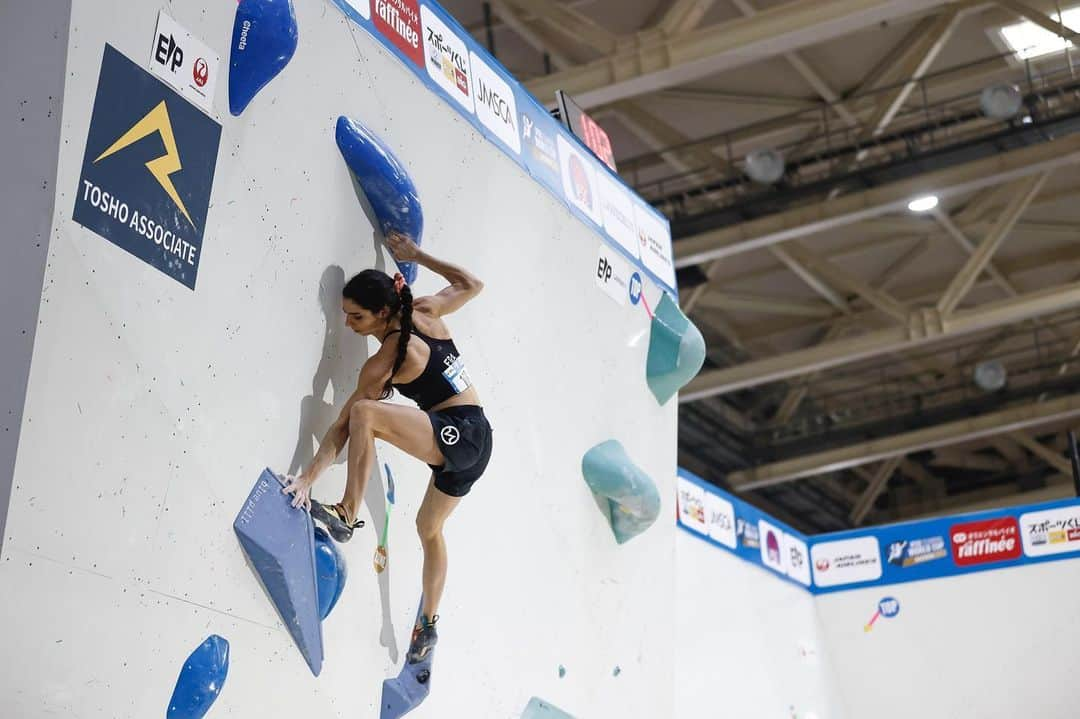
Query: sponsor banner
(796, 559)
(720, 518)
(847, 561)
(654, 243)
(617, 212)
(912, 551)
(613, 275)
(1052, 531)
(446, 57)
(495, 104)
(399, 22)
(692, 505)
(579, 179)
(149, 198)
(450, 62)
(772, 546)
(185, 63)
(909, 552)
(989, 540)
(538, 148)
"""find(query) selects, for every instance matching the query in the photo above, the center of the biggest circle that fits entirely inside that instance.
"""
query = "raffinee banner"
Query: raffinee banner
(443, 56)
(890, 554)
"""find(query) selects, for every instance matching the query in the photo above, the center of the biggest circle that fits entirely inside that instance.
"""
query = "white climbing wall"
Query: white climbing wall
(151, 408)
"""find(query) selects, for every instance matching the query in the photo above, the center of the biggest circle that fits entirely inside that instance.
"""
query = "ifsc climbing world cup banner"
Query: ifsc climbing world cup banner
(148, 169)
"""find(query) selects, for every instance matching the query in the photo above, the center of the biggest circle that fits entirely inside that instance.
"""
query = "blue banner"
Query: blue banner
(889, 554)
(443, 55)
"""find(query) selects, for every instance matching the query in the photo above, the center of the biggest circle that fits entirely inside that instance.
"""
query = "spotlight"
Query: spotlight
(1001, 101)
(990, 376)
(923, 204)
(765, 166)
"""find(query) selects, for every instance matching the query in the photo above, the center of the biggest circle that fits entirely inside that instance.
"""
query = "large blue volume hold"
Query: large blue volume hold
(331, 572)
(264, 40)
(630, 498)
(676, 351)
(411, 686)
(280, 542)
(388, 188)
(201, 679)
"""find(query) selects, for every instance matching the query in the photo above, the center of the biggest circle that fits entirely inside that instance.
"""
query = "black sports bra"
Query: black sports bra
(442, 378)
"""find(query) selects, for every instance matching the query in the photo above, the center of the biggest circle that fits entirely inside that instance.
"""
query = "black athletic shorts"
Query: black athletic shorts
(464, 436)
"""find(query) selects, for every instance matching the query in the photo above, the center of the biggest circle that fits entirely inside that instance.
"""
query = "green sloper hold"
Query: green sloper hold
(629, 496)
(540, 709)
(676, 350)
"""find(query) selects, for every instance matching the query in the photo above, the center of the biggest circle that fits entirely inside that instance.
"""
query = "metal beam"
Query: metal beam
(1054, 459)
(943, 435)
(653, 61)
(569, 22)
(878, 484)
(959, 459)
(929, 46)
(1039, 18)
(841, 278)
(893, 197)
(658, 134)
(924, 327)
(538, 39)
(964, 279)
(767, 305)
(816, 81)
(804, 273)
(682, 16)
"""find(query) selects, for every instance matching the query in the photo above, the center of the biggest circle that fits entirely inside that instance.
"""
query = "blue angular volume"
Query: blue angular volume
(676, 351)
(540, 709)
(264, 40)
(201, 679)
(632, 500)
(331, 572)
(388, 188)
(280, 542)
(411, 686)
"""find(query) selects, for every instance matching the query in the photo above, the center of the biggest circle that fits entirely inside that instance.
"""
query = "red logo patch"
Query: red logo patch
(991, 540)
(399, 20)
(200, 72)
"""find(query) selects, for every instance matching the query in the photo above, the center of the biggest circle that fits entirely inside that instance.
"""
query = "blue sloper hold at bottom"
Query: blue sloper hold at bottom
(332, 572)
(280, 542)
(201, 679)
(676, 351)
(264, 40)
(410, 688)
(540, 709)
(632, 500)
(388, 188)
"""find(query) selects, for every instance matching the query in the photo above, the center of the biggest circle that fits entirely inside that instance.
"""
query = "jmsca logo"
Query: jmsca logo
(148, 169)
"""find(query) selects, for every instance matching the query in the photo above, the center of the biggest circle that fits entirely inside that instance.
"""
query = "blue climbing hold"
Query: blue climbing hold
(331, 571)
(388, 188)
(264, 40)
(629, 495)
(540, 709)
(201, 679)
(411, 686)
(676, 351)
(280, 542)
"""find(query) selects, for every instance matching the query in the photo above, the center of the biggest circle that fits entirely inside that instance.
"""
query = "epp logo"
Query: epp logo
(148, 168)
(636, 287)
(168, 53)
(604, 269)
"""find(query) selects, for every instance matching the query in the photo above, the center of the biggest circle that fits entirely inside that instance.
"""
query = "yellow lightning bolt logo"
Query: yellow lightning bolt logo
(157, 120)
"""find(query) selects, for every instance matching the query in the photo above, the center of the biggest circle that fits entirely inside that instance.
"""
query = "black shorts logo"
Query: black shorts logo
(148, 169)
(450, 435)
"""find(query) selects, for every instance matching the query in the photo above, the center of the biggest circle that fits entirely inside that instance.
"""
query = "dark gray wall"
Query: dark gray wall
(33, 55)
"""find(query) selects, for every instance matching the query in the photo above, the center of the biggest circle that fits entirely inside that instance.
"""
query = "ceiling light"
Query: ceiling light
(923, 204)
(765, 166)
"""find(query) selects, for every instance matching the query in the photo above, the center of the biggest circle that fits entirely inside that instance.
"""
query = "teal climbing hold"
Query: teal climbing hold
(540, 709)
(676, 350)
(629, 495)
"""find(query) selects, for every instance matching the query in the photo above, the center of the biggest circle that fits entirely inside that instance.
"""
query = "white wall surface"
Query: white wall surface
(151, 410)
(990, 645)
(748, 643)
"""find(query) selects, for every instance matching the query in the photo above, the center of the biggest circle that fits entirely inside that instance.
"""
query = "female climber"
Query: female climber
(449, 431)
